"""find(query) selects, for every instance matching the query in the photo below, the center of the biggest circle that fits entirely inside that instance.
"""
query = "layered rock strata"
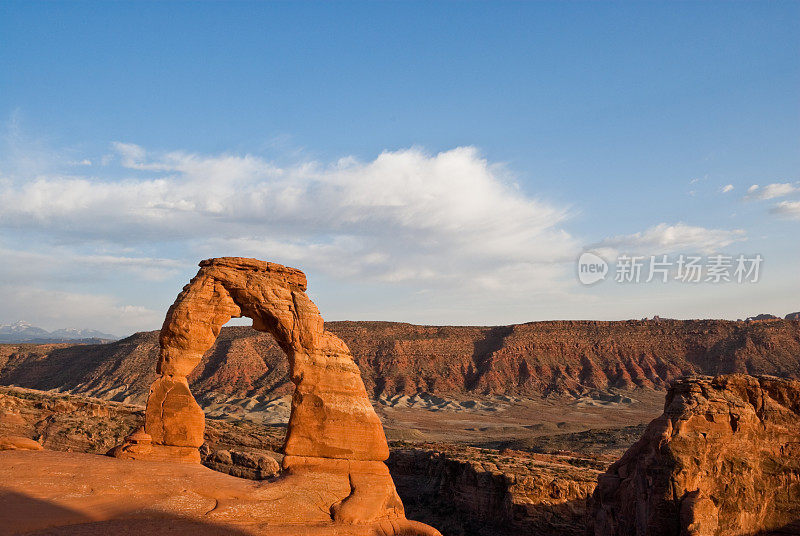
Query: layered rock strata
(723, 459)
(530, 360)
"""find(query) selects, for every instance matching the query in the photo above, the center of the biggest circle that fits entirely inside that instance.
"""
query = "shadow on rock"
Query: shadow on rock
(790, 529)
(17, 511)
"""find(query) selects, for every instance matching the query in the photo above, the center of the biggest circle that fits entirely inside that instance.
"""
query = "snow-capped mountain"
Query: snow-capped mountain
(25, 332)
(22, 330)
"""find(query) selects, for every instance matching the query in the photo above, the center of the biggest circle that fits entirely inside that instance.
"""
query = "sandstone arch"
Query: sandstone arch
(331, 414)
(333, 429)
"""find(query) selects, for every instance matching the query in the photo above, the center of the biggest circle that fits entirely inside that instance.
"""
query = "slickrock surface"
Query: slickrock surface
(435, 481)
(335, 445)
(723, 459)
(61, 493)
(539, 358)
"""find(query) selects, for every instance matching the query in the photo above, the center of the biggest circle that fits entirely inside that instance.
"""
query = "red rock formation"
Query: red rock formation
(18, 443)
(254, 466)
(65, 493)
(331, 413)
(461, 490)
(723, 459)
(571, 357)
(76, 424)
(495, 494)
(333, 429)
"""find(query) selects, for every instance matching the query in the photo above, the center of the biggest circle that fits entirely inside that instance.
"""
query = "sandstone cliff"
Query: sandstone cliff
(538, 358)
(723, 459)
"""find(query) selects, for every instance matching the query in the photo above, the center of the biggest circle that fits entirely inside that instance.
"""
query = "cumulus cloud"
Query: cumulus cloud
(664, 238)
(789, 209)
(727, 188)
(450, 223)
(405, 216)
(771, 191)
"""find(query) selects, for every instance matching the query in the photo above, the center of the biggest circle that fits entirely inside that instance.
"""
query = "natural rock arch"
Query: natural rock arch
(331, 417)
(333, 428)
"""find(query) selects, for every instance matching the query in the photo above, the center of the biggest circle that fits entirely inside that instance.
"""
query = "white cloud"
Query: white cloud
(664, 238)
(790, 209)
(404, 216)
(727, 188)
(130, 153)
(428, 225)
(771, 191)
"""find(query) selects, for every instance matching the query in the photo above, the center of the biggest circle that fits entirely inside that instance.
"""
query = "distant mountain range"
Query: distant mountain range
(24, 332)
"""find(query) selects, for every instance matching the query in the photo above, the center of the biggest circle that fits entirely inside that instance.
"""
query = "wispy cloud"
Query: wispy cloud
(60, 262)
(727, 188)
(664, 238)
(787, 209)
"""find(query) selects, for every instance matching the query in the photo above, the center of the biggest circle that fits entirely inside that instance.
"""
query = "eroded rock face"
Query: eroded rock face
(253, 466)
(173, 416)
(530, 360)
(333, 429)
(723, 459)
(494, 494)
(331, 413)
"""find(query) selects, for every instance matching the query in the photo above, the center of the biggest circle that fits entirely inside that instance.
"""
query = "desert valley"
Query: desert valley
(552, 428)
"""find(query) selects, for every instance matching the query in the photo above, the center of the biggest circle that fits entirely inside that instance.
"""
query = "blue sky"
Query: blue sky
(426, 162)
